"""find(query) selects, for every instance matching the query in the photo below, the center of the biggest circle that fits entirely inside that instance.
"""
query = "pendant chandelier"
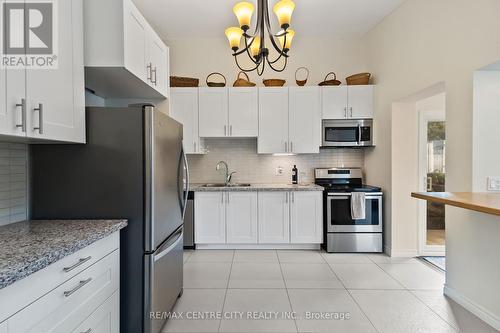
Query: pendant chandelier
(255, 44)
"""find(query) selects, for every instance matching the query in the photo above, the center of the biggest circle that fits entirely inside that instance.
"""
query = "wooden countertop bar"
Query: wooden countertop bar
(488, 203)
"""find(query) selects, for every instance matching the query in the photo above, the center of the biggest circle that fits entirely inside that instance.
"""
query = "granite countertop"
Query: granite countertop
(29, 246)
(257, 187)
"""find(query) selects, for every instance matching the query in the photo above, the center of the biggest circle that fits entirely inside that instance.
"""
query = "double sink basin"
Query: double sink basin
(226, 185)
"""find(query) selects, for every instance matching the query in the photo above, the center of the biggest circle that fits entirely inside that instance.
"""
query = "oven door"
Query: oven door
(339, 214)
(347, 133)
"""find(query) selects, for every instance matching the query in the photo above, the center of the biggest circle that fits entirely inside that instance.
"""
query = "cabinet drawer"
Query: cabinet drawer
(105, 319)
(29, 289)
(68, 305)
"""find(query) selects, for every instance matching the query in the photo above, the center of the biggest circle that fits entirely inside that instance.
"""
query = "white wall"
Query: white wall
(420, 44)
(199, 57)
(486, 128)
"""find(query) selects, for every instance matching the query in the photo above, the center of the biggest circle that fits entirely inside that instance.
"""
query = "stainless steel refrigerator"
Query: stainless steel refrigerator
(133, 166)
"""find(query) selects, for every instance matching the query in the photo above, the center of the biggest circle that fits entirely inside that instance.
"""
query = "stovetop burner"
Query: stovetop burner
(343, 180)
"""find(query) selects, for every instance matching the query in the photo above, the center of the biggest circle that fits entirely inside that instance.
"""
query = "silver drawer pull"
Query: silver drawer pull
(80, 262)
(81, 284)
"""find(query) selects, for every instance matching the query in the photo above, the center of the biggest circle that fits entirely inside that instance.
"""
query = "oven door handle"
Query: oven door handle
(375, 195)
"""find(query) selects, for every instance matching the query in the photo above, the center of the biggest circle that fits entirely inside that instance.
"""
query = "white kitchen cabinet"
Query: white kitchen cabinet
(306, 217)
(360, 102)
(241, 217)
(157, 59)
(273, 121)
(105, 319)
(347, 102)
(135, 30)
(184, 109)
(55, 98)
(58, 300)
(124, 56)
(49, 104)
(304, 120)
(243, 112)
(274, 218)
(213, 112)
(210, 218)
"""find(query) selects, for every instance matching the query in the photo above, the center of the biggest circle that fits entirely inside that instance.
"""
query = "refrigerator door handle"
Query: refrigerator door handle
(186, 182)
(167, 247)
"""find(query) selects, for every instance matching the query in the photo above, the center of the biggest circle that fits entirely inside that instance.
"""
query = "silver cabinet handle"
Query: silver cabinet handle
(231, 130)
(293, 197)
(291, 146)
(153, 71)
(227, 198)
(351, 110)
(286, 197)
(75, 289)
(80, 262)
(345, 112)
(194, 144)
(150, 73)
(225, 129)
(222, 198)
(40, 118)
(22, 105)
(286, 147)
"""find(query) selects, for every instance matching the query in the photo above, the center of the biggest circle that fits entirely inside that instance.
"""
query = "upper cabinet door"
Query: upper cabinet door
(306, 217)
(184, 109)
(305, 120)
(360, 102)
(241, 217)
(157, 63)
(213, 112)
(135, 32)
(55, 97)
(334, 102)
(243, 112)
(273, 121)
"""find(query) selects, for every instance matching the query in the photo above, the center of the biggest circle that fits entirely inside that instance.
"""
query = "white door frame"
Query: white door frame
(424, 117)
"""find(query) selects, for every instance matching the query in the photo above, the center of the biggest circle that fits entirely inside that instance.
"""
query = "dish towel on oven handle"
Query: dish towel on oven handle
(358, 205)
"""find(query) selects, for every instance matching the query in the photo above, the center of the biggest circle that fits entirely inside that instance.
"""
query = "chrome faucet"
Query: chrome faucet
(229, 175)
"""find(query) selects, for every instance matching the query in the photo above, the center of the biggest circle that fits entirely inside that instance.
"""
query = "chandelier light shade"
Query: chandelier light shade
(255, 43)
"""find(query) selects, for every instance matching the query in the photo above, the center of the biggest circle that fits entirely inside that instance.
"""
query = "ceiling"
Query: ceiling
(174, 19)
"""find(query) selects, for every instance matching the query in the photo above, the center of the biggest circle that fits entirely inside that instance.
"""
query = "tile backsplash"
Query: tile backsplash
(13, 182)
(242, 157)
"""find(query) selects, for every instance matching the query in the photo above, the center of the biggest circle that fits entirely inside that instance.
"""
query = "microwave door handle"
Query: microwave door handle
(359, 134)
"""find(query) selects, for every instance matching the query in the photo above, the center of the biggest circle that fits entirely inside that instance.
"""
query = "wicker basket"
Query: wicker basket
(333, 82)
(301, 83)
(274, 82)
(358, 79)
(216, 84)
(243, 82)
(178, 81)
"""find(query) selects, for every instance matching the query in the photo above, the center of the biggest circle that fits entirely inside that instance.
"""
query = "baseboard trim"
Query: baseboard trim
(257, 246)
(401, 253)
(478, 310)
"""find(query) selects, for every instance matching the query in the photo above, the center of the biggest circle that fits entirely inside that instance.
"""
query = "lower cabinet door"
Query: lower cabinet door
(209, 218)
(274, 218)
(306, 217)
(241, 217)
(105, 319)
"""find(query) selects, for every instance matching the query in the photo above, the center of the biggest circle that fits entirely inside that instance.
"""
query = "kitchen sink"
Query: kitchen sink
(226, 185)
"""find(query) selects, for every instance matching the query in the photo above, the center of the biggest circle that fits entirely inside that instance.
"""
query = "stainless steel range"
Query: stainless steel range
(342, 232)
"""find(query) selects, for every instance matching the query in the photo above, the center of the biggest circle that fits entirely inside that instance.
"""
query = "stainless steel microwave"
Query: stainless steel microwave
(348, 133)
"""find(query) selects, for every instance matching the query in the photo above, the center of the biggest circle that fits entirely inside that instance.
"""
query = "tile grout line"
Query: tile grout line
(348, 292)
(227, 288)
(286, 289)
(457, 329)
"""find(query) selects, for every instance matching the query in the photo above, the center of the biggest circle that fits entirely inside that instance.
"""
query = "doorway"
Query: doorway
(432, 172)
